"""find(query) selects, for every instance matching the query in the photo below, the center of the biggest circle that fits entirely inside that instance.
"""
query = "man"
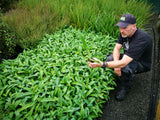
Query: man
(137, 47)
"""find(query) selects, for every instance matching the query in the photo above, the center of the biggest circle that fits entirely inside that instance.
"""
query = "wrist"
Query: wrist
(104, 65)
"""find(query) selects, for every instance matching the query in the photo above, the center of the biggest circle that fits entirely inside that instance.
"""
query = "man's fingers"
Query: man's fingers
(118, 71)
(93, 65)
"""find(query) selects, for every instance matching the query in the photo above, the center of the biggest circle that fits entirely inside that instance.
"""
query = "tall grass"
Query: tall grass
(102, 15)
(32, 19)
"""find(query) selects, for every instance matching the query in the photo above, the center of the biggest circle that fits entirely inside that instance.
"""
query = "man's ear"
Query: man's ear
(134, 25)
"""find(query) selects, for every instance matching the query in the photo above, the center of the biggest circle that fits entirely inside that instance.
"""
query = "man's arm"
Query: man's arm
(116, 56)
(119, 63)
(116, 51)
(112, 64)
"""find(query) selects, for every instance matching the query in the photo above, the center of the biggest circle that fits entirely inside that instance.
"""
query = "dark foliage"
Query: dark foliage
(8, 47)
(5, 5)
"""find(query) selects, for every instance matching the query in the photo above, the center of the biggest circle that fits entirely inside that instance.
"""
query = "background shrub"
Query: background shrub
(33, 18)
(7, 41)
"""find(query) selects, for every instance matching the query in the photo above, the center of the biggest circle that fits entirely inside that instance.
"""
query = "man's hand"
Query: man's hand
(95, 64)
(117, 71)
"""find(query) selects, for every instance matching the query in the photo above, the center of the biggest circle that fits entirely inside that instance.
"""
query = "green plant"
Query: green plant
(54, 81)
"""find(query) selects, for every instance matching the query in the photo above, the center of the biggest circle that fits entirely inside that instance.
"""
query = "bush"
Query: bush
(7, 44)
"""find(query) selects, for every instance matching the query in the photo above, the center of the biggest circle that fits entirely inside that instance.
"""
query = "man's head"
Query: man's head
(127, 25)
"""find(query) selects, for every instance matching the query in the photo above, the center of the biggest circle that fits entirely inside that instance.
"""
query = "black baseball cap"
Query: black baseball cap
(125, 20)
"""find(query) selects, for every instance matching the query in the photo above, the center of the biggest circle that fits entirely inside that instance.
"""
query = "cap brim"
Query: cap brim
(122, 24)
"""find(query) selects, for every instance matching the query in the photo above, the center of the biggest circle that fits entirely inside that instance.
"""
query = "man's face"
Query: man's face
(127, 31)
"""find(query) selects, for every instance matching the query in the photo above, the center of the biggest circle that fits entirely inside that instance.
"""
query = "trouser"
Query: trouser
(127, 72)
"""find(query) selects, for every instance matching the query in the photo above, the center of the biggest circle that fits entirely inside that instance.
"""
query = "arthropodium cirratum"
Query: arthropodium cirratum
(54, 80)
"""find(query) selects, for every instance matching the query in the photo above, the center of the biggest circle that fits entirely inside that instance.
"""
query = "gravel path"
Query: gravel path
(136, 104)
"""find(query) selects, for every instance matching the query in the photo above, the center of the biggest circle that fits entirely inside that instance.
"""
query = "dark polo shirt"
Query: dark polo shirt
(138, 47)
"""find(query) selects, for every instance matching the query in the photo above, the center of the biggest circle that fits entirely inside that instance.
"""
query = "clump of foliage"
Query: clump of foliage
(7, 41)
(54, 81)
(33, 18)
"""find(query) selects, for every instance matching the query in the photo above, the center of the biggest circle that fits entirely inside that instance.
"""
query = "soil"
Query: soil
(136, 104)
